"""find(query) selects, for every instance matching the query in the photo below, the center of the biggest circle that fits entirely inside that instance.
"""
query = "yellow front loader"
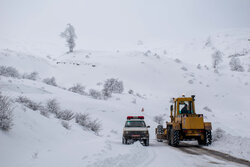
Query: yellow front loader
(185, 124)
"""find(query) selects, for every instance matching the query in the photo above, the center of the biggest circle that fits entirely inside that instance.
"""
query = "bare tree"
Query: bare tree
(216, 59)
(70, 36)
(235, 65)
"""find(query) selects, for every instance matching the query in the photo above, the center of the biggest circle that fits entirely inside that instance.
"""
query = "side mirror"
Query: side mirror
(171, 108)
(148, 126)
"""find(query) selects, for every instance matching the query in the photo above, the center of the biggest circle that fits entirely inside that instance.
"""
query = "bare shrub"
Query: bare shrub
(177, 60)
(199, 66)
(29, 103)
(52, 106)
(184, 68)
(112, 86)
(82, 119)
(159, 119)
(9, 72)
(218, 134)
(50, 81)
(235, 65)
(6, 116)
(78, 88)
(216, 59)
(206, 108)
(95, 126)
(31, 76)
(66, 125)
(95, 94)
(44, 112)
(66, 115)
(131, 91)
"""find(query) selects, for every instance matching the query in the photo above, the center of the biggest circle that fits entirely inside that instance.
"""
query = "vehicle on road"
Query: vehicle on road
(135, 129)
(185, 124)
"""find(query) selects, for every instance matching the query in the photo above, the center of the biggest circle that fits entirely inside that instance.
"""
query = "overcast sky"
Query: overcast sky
(121, 20)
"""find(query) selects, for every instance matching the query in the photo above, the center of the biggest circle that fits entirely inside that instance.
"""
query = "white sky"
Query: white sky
(121, 21)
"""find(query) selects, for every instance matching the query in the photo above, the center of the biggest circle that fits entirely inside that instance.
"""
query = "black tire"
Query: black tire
(174, 137)
(124, 141)
(208, 137)
(169, 135)
(159, 129)
(146, 142)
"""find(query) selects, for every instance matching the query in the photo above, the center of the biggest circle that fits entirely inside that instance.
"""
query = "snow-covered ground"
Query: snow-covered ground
(155, 74)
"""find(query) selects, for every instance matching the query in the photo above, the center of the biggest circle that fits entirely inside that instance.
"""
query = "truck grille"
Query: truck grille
(136, 132)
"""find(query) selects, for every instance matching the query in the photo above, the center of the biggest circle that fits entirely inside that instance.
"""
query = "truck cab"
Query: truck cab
(135, 129)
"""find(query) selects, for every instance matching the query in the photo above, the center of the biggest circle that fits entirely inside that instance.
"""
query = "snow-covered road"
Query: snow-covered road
(160, 154)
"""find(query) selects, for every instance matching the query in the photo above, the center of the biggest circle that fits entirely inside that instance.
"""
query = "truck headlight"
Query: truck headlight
(126, 132)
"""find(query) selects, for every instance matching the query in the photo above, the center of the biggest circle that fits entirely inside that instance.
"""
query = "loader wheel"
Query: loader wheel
(207, 140)
(174, 137)
(208, 137)
(169, 135)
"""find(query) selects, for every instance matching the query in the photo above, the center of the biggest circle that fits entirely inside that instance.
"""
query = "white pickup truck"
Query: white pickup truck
(135, 129)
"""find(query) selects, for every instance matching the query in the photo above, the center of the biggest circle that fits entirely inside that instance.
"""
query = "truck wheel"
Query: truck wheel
(146, 142)
(124, 141)
(174, 137)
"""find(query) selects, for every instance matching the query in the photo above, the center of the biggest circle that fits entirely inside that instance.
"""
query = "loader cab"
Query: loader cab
(183, 105)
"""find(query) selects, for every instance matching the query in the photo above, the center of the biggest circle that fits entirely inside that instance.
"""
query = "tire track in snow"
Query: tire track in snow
(197, 150)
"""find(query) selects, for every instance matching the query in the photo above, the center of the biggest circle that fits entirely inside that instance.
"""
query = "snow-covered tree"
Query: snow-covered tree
(235, 65)
(216, 59)
(6, 116)
(70, 36)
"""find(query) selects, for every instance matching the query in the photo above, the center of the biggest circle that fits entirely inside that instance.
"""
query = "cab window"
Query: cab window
(185, 107)
(135, 124)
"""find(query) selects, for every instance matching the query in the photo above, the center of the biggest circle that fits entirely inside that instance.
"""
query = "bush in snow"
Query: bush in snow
(95, 126)
(248, 68)
(52, 106)
(29, 103)
(218, 134)
(95, 94)
(66, 125)
(235, 65)
(208, 42)
(44, 112)
(31, 76)
(199, 66)
(177, 60)
(78, 88)
(70, 36)
(131, 91)
(216, 59)
(6, 109)
(9, 72)
(66, 115)
(113, 85)
(82, 119)
(159, 119)
(50, 81)
(184, 68)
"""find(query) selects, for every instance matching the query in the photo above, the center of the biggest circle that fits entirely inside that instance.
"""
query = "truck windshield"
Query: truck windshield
(135, 124)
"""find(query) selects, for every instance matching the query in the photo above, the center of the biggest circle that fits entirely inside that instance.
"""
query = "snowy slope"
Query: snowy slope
(39, 141)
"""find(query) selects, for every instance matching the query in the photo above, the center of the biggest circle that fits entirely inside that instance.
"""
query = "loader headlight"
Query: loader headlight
(145, 132)
(126, 132)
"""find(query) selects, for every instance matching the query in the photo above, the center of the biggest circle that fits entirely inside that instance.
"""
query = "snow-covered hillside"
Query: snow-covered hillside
(155, 74)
